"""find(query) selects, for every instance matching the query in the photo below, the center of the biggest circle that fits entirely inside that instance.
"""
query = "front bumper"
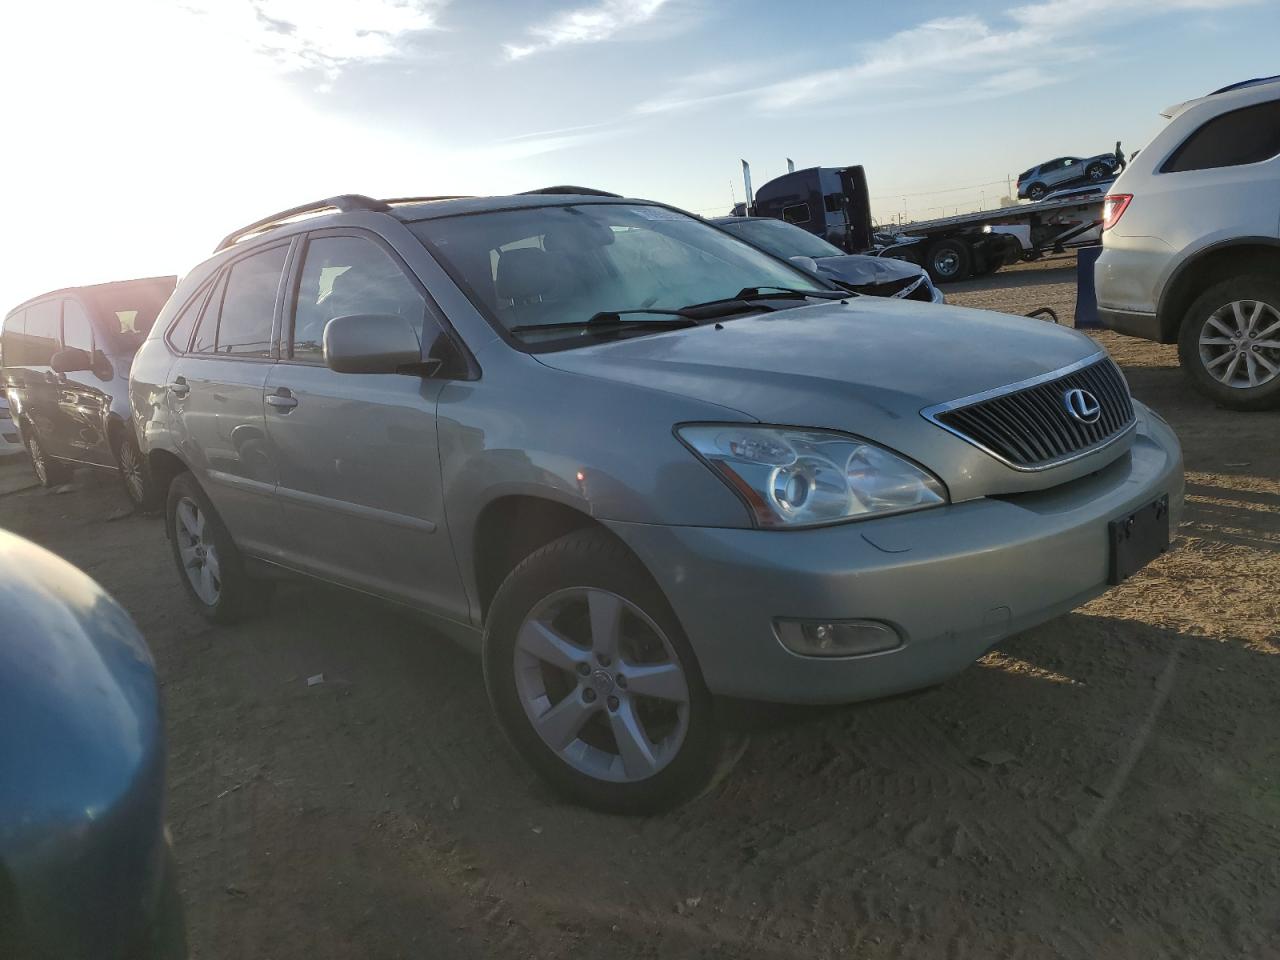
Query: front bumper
(1132, 323)
(953, 580)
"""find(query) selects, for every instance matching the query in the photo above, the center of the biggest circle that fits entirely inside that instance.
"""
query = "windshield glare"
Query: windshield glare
(553, 265)
(782, 239)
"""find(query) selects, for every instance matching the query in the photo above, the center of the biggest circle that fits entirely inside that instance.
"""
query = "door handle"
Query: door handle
(179, 388)
(283, 399)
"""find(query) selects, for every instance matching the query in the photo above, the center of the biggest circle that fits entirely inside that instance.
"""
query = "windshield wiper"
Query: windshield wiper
(612, 320)
(787, 293)
(748, 299)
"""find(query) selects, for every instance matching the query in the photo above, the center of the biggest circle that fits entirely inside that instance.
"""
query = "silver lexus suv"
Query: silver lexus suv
(636, 463)
(1191, 243)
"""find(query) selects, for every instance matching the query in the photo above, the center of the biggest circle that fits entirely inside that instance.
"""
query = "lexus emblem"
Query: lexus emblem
(1082, 405)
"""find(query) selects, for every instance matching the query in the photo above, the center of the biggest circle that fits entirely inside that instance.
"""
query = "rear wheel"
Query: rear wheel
(133, 471)
(948, 260)
(593, 681)
(209, 563)
(49, 471)
(1097, 171)
(1229, 343)
(1036, 191)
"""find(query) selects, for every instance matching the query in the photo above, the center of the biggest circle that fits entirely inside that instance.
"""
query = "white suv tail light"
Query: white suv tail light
(1113, 207)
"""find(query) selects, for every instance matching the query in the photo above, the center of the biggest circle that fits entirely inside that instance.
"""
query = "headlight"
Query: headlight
(804, 478)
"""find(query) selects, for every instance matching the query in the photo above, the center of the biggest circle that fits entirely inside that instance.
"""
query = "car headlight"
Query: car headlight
(803, 478)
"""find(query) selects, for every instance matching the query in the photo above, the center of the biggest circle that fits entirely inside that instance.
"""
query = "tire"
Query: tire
(1036, 192)
(948, 260)
(560, 591)
(1214, 318)
(1097, 172)
(222, 589)
(50, 472)
(134, 475)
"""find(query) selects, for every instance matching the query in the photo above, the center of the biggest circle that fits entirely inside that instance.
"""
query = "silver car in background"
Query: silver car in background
(636, 463)
(1191, 244)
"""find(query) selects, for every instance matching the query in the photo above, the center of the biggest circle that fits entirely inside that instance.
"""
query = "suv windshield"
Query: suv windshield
(781, 239)
(542, 266)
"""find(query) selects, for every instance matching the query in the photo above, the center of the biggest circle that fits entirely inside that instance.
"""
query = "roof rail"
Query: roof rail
(344, 203)
(447, 196)
(1256, 81)
(581, 191)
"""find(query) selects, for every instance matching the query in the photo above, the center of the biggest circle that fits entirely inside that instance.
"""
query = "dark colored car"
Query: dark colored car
(66, 356)
(874, 276)
(85, 865)
(1040, 180)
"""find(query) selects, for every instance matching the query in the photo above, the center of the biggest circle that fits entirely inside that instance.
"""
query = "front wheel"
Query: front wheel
(1097, 171)
(1229, 343)
(593, 681)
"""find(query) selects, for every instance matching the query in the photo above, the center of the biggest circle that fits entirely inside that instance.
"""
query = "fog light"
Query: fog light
(836, 638)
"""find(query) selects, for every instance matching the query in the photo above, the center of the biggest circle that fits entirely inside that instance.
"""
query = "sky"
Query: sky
(136, 133)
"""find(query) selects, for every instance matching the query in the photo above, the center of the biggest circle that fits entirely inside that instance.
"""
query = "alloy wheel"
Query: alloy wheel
(198, 553)
(131, 467)
(37, 461)
(601, 684)
(1240, 344)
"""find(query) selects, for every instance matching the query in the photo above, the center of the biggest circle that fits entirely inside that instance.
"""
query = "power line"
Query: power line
(930, 193)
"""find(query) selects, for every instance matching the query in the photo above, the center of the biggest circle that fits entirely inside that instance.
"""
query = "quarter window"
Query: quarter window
(180, 332)
(1248, 135)
(77, 332)
(349, 276)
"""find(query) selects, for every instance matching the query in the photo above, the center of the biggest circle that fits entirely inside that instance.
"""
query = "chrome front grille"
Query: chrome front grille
(1029, 425)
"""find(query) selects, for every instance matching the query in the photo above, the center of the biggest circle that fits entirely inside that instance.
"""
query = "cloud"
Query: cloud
(940, 59)
(593, 24)
(321, 35)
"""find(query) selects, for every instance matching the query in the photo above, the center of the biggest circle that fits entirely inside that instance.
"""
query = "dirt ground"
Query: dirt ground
(1129, 805)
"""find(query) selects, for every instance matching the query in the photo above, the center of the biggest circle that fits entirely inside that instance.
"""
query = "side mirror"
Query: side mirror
(372, 343)
(807, 264)
(71, 360)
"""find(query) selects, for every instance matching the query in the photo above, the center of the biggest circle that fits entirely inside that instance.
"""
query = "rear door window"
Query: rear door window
(237, 319)
(1248, 135)
(249, 304)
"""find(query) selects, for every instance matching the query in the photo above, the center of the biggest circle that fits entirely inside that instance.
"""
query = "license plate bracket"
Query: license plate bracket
(1138, 538)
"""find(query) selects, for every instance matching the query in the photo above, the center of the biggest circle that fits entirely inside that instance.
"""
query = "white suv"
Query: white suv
(1191, 237)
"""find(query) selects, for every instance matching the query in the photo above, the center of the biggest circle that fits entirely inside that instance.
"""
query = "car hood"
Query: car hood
(866, 366)
(860, 271)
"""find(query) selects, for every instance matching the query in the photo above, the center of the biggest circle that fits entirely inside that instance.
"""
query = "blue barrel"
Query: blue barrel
(1086, 296)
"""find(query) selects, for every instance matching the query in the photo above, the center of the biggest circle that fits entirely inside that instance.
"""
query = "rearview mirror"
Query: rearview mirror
(806, 263)
(372, 343)
(71, 360)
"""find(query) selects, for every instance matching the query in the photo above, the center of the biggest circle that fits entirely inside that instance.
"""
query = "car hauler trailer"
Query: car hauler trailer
(833, 203)
(974, 244)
